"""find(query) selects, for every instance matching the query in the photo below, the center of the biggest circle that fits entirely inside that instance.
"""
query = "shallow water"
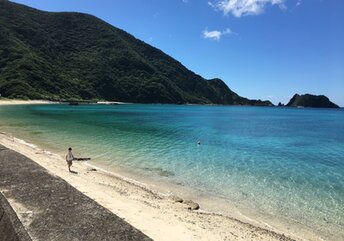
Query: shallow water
(284, 163)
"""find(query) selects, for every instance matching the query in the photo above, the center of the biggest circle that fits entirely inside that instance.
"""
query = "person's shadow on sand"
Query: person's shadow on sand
(74, 172)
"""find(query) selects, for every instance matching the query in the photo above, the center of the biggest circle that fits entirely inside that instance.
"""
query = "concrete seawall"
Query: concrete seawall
(11, 229)
(40, 207)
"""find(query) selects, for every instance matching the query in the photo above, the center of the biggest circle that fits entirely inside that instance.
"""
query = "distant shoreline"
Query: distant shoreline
(25, 102)
(42, 102)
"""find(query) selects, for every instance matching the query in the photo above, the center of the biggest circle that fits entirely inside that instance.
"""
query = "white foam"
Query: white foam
(20, 141)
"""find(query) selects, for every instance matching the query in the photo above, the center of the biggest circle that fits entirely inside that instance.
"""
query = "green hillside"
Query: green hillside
(46, 55)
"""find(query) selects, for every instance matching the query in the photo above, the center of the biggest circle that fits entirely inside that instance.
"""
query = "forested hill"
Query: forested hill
(46, 55)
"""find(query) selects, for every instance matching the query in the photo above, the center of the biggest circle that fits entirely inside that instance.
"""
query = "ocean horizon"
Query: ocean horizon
(283, 163)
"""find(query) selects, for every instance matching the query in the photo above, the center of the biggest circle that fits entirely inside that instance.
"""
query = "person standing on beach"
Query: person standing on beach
(69, 158)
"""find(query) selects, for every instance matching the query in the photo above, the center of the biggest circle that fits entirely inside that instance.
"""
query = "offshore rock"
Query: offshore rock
(191, 205)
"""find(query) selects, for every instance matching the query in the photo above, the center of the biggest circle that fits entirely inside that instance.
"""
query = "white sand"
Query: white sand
(24, 102)
(154, 214)
(112, 103)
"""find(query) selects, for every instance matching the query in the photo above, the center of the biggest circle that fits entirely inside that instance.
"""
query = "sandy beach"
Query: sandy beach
(24, 102)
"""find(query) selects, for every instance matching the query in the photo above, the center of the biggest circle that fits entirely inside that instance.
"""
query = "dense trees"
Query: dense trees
(73, 55)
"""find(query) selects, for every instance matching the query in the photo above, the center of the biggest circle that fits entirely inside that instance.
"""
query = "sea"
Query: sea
(284, 164)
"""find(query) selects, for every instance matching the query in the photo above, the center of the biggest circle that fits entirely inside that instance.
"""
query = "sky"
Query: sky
(262, 49)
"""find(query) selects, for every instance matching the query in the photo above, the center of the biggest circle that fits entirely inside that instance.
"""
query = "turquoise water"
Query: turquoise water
(285, 163)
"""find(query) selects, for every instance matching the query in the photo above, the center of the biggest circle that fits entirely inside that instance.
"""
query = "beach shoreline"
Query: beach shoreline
(25, 102)
(153, 212)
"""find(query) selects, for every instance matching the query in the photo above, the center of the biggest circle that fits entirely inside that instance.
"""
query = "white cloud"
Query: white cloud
(215, 34)
(244, 7)
(298, 3)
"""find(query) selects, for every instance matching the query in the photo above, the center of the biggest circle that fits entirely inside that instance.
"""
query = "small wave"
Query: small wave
(20, 141)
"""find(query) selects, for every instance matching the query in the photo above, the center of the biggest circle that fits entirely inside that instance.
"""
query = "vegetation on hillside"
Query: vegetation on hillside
(46, 55)
(308, 100)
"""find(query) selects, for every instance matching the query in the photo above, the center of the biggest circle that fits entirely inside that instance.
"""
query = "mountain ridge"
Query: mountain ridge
(63, 55)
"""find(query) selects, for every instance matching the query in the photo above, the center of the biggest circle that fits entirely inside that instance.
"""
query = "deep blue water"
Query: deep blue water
(283, 162)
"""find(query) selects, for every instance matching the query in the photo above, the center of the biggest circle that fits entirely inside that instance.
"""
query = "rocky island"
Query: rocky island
(308, 100)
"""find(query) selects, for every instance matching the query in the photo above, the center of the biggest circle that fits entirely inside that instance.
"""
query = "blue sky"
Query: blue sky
(266, 49)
